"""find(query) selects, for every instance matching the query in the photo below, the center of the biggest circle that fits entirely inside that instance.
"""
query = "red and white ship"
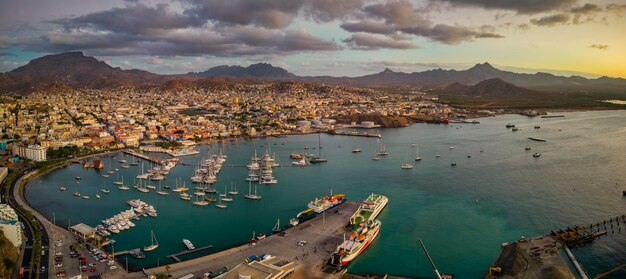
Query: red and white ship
(361, 237)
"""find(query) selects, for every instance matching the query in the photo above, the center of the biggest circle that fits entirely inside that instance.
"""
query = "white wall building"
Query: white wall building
(10, 225)
(34, 152)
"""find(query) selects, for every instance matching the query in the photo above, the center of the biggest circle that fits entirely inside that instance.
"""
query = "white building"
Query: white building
(34, 152)
(10, 225)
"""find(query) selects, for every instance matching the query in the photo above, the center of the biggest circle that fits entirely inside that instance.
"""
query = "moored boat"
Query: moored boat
(360, 239)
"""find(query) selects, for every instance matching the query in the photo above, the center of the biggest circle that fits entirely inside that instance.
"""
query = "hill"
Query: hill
(259, 70)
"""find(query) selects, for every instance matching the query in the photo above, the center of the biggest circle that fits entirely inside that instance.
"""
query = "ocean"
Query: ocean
(462, 213)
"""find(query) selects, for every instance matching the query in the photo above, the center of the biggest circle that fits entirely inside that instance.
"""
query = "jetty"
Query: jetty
(323, 234)
(145, 157)
(354, 134)
(542, 257)
(182, 253)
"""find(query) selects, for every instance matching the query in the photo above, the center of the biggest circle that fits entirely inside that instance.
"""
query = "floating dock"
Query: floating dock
(175, 256)
(145, 157)
(322, 233)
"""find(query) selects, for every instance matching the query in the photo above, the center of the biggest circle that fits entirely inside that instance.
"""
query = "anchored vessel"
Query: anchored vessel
(361, 237)
(369, 209)
(319, 205)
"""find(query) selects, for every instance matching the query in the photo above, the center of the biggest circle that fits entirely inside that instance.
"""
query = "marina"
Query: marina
(470, 197)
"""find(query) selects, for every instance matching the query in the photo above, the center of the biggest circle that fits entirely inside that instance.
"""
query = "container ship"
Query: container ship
(319, 205)
(369, 209)
(361, 237)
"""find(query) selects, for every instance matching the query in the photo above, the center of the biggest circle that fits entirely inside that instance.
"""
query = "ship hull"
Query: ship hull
(353, 256)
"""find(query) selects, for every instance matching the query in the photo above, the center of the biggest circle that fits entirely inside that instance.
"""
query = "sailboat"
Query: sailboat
(417, 154)
(319, 158)
(406, 165)
(134, 163)
(233, 189)
(225, 196)
(160, 191)
(382, 151)
(118, 182)
(198, 202)
(250, 195)
(153, 243)
(123, 187)
(141, 188)
(220, 204)
(97, 195)
(277, 228)
(105, 190)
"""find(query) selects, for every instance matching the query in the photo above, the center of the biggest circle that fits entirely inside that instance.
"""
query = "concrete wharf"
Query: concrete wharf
(182, 253)
(322, 233)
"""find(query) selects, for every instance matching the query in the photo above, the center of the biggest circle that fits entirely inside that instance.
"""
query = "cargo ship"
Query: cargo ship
(361, 237)
(369, 209)
(319, 205)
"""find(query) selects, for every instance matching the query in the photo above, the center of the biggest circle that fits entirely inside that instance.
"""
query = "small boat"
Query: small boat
(382, 151)
(469, 156)
(118, 182)
(407, 166)
(77, 178)
(624, 192)
(437, 156)
(105, 175)
(417, 154)
(356, 150)
(62, 188)
(185, 196)
(233, 189)
(250, 195)
(510, 125)
(277, 228)
(527, 148)
(220, 204)
(537, 127)
(153, 243)
(514, 129)
(86, 197)
(97, 196)
(537, 154)
(188, 244)
(294, 222)
(453, 164)
(76, 194)
(451, 147)
(123, 188)
(161, 192)
(199, 202)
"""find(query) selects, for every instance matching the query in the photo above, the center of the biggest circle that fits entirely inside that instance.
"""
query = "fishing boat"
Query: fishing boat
(358, 241)
(188, 244)
(250, 195)
(233, 189)
(153, 243)
(319, 158)
(417, 154)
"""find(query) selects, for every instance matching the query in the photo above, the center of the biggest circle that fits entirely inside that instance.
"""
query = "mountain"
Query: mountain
(259, 70)
(492, 88)
(73, 69)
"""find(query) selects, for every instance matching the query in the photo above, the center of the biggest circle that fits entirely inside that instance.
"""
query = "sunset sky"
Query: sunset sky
(323, 37)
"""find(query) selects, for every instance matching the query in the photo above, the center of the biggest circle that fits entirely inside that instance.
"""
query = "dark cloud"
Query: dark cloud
(368, 26)
(551, 20)
(616, 8)
(374, 42)
(328, 10)
(451, 34)
(586, 9)
(399, 13)
(599, 46)
(265, 13)
(520, 6)
(133, 19)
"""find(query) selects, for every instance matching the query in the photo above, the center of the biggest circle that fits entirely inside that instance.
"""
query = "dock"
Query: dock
(322, 233)
(354, 134)
(121, 253)
(145, 157)
(182, 253)
(541, 257)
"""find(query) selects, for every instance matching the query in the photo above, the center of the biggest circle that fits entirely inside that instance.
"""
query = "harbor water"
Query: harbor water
(462, 213)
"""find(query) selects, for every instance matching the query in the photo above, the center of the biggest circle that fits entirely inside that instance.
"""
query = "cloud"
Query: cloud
(328, 10)
(265, 13)
(551, 20)
(520, 6)
(369, 26)
(400, 13)
(451, 34)
(586, 9)
(364, 41)
(599, 46)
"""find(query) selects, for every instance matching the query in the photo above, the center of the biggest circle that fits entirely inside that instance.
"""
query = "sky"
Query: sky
(323, 37)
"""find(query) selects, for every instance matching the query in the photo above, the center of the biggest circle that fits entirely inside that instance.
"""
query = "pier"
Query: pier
(145, 157)
(354, 134)
(175, 256)
(322, 233)
(541, 257)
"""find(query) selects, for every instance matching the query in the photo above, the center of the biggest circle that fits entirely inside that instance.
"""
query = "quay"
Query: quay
(121, 253)
(354, 134)
(173, 153)
(322, 233)
(145, 157)
(547, 256)
(175, 256)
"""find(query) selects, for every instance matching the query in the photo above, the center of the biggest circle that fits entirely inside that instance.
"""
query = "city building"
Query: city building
(3, 173)
(83, 231)
(34, 152)
(10, 225)
(269, 268)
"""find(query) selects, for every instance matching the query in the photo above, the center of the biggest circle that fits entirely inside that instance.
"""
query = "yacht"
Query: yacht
(382, 151)
(233, 189)
(153, 243)
(417, 154)
(250, 195)
(407, 166)
(356, 150)
(319, 158)
(185, 196)
(188, 244)
(220, 204)
(62, 188)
